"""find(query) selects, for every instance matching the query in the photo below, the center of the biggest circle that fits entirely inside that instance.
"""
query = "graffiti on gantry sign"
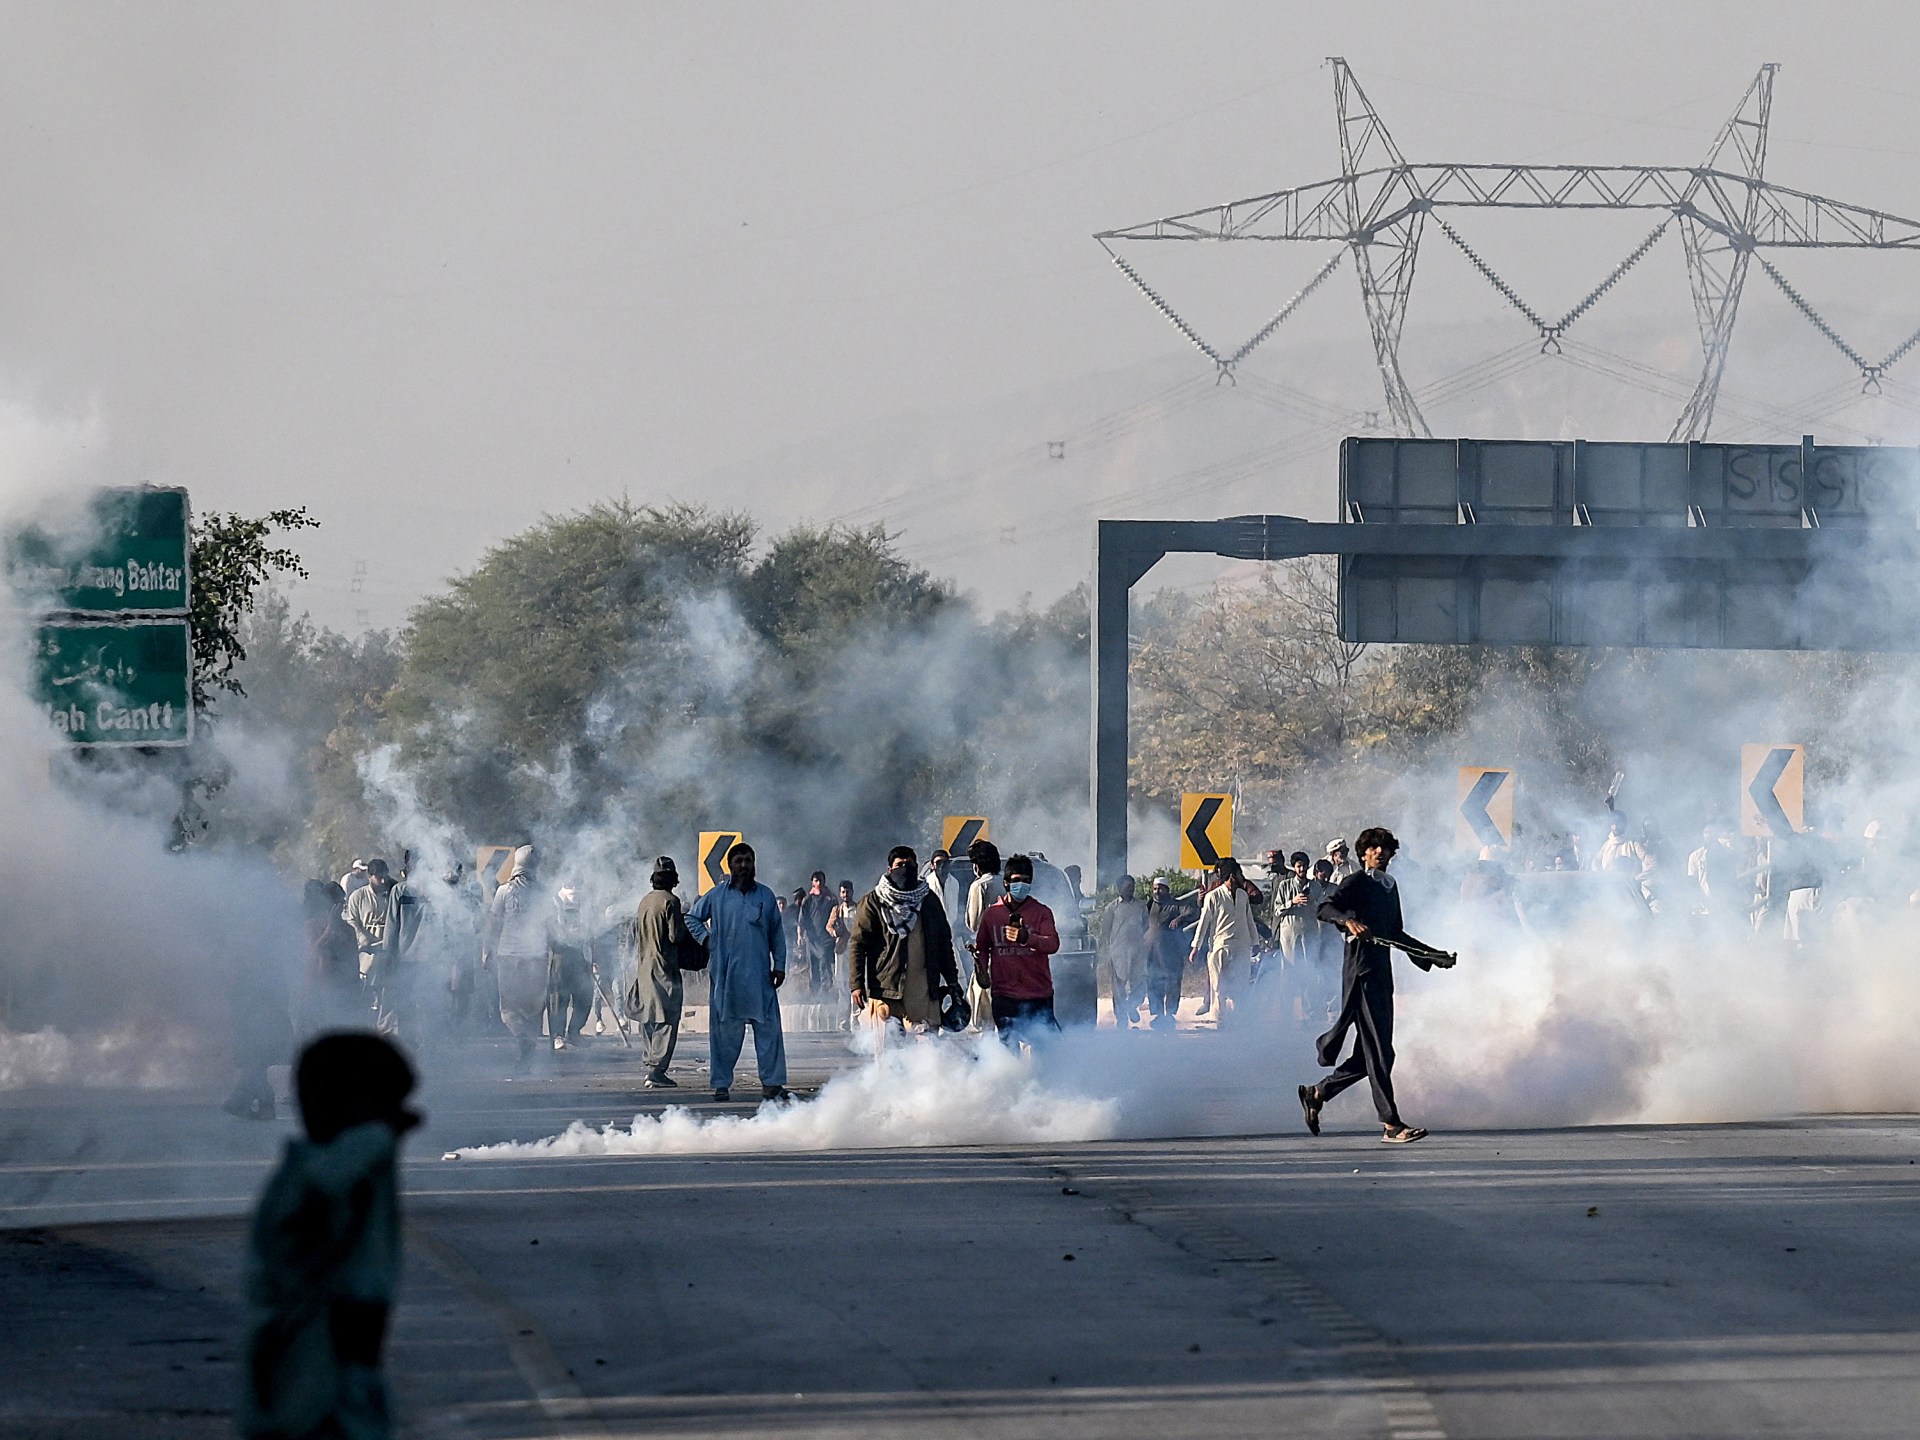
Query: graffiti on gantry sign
(714, 845)
(1206, 830)
(958, 832)
(1485, 812)
(1773, 789)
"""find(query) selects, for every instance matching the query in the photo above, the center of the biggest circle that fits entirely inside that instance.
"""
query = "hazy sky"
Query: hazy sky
(436, 270)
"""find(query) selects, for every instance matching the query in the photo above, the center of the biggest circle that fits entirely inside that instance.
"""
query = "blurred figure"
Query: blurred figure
(355, 877)
(330, 993)
(946, 885)
(746, 966)
(515, 947)
(1340, 862)
(1167, 921)
(368, 910)
(1293, 920)
(1013, 949)
(571, 998)
(816, 943)
(1486, 890)
(987, 887)
(661, 943)
(1226, 936)
(323, 1257)
(840, 927)
(901, 954)
(1123, 952)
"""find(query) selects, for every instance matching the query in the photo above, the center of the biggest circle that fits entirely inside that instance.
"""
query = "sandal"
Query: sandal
(1310, 1107)
(1402, 1135)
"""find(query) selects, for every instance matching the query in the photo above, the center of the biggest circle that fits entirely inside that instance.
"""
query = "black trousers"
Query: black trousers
(1366, 1004)
(1018, 1019)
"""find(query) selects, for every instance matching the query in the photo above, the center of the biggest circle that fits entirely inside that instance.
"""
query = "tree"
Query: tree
(232, 559)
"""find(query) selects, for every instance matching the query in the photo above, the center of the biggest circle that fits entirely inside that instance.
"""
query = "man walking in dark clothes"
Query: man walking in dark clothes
(1367, 906)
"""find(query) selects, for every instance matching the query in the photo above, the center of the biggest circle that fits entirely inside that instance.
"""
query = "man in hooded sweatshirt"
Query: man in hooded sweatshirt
(901, 953)
(516, 948)
(1013, 956)
(1367, 907)
(323, 1256)
(746, 965)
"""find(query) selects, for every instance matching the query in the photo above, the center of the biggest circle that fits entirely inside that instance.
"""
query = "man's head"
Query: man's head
(1018, 867)
(817, 883)
(937, 863)
(1127, 888)
(1323, 869)
(1226, 871)
(1161, 889)
(1377, 847)
(985, 856)
(1298, 861)
(666, 875)
(741, 866)
(903, 867)
(378, 875)
(846, 891)
(348, 1077)
(1337, 851)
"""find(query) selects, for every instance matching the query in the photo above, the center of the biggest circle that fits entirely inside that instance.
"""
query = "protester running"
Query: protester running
(1367, 907)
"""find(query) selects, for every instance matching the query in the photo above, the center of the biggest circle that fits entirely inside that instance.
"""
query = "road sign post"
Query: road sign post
(712, 863)
(1485, 812)
(1773, 795)
(125, 682)
(1206, 830)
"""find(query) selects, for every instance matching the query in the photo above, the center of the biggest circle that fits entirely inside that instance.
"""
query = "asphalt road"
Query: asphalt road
(1739, 1280)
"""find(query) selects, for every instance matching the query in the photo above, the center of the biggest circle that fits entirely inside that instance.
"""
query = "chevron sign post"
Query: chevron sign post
(1485, 813)
(1773, 789)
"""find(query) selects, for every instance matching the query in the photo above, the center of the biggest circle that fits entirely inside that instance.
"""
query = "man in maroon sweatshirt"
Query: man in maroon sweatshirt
(1011, 950)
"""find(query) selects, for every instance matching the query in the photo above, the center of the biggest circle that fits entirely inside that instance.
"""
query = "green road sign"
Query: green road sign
(125, 682)
(126, 552)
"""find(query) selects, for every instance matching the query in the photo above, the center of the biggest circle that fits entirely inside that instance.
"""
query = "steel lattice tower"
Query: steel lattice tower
(1377, 210)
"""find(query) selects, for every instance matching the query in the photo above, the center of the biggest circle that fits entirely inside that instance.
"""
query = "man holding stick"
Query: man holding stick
(1367, 906)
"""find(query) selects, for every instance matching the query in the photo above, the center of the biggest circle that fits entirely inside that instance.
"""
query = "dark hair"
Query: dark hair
(845, 885)
(1022, 863)
(1301, 856)
(984, 856)
(819, 875)
(666, 876)
(739, 847)
(1372, 836)
(377, 870)
(348, 1077)
(901, 852)
(323, 897)
(1228, 866)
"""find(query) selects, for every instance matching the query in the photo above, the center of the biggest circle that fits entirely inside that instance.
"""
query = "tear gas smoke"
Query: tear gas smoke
(940, 1092)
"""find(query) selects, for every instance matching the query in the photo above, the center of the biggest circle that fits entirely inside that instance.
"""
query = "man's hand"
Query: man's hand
(1445, 962)
(1355, 929)
(859, 999)
(779, 978)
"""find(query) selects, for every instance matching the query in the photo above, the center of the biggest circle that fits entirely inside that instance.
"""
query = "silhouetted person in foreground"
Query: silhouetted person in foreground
(1367, 907)
(323, 1259)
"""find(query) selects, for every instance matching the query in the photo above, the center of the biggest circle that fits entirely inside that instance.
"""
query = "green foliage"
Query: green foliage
(232, 558)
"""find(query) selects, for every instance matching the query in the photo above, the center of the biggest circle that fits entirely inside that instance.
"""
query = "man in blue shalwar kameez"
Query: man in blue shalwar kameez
(746, 963)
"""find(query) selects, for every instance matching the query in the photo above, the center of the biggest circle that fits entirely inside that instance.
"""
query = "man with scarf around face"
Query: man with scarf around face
(901, 951)
(746, 965)
(1367, 907)
(518, 939)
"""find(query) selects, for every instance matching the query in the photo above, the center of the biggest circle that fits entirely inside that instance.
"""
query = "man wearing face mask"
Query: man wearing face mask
(901, 953)
(1012, 950)
(746, 965)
